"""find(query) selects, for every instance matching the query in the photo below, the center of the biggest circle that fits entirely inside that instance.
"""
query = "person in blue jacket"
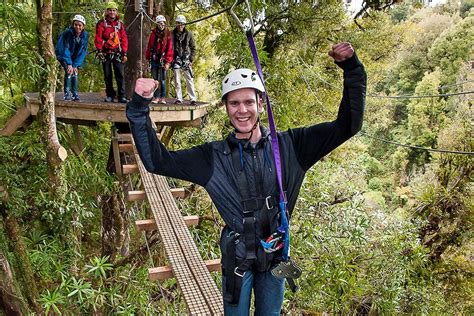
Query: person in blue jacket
(71, 50)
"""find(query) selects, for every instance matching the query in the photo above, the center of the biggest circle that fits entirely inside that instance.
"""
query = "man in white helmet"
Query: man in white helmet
(184, 53)
(71, 50)
(239, 173)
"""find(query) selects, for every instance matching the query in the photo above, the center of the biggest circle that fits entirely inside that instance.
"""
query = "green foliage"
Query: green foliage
(52, 301)
(453, 48)
(466, 6)
(99, 267)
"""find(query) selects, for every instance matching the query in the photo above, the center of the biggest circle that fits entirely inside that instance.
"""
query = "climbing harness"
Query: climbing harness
(280, 239)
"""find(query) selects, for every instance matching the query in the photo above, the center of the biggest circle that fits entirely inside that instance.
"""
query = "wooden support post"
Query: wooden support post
(77, 135)
(150, 224)
(116, 153)
(15, 122)
(166, 137)
(165, 272)
(137, 5)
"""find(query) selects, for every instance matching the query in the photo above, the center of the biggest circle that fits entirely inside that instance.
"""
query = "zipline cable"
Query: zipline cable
(470, 153)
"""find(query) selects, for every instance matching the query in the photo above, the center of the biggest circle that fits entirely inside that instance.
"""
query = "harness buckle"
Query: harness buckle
(236, 272)
(267, 202)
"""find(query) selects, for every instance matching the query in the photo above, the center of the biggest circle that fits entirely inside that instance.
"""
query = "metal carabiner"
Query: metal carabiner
(239, 23)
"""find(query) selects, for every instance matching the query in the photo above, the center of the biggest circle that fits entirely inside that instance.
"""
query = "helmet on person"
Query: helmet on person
(160, 18)
(79, 18)
(181, 19)
(111, 5)
(240, 79)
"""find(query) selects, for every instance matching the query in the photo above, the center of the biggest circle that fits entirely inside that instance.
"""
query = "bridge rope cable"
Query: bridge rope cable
(454, 84)
(413, 96)
(470, 153)
(197, 20)
(406, 96)
(415, 147)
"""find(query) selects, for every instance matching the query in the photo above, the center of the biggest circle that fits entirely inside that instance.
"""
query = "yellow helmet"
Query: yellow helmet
(111, 5)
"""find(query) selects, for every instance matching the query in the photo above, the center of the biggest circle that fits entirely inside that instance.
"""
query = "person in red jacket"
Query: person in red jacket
(111, 43)
(159, 51)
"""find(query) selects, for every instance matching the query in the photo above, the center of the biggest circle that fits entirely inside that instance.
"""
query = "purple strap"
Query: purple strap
(284, 227)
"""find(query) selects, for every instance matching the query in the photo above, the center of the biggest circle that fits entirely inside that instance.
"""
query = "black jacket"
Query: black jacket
(184, 45)
(211, 165)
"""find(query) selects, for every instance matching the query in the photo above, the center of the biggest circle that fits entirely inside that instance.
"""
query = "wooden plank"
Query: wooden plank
(129, 169)
(178, 193)
(15, 121)
(128, 148)
(165, 272)
(139, 195)
(150, 224)
(96, 113)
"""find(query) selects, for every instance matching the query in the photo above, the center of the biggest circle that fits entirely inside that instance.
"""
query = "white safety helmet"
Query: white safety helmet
(240, 79)
(181, 19)
(79, 18)
(160, 18)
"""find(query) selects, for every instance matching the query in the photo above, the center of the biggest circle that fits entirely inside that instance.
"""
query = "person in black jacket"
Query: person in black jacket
(184, 53)
(239, 173)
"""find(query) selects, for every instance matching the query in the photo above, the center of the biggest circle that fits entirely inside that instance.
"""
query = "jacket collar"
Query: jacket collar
(73, 32)
(233, 141)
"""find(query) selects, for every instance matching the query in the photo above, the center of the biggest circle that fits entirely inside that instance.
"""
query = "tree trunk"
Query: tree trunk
(56, 154)
(114, 227)
(136, 65)
(17, 246)
(10, 301)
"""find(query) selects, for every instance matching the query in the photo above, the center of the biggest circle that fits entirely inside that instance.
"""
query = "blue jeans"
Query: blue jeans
(70, 82)
(268, 292)
(159, 74)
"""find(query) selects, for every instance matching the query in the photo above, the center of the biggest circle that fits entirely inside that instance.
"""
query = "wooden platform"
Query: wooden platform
(91, 108)
(200, 293)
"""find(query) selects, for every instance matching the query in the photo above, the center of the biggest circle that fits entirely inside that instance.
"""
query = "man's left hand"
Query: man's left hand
(124, 59)
(341, 51)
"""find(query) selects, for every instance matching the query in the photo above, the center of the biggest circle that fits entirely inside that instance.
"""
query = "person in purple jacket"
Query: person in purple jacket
(71, 50)
(239, 173)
